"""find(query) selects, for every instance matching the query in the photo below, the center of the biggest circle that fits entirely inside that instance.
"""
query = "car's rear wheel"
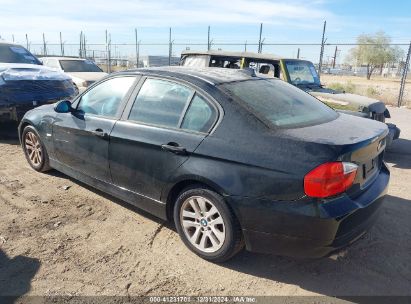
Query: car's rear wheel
(206, 224)
(34, 150)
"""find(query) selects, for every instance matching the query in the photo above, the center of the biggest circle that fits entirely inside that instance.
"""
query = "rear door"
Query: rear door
(81, 138)
(163, 124)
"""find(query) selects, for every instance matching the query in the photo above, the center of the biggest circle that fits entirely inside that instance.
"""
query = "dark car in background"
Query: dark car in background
(26, 84)
(300, 73)
(233, 159)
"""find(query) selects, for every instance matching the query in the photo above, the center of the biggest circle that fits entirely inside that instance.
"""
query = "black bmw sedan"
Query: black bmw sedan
(233, 159)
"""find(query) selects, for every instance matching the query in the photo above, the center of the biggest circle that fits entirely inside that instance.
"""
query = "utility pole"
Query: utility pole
(136, 34)
(61, 45)
(84, 46)
(170, 48)
(27, 42)
(12, 37)
(260, 47)
(298, 53)
(80, 53)
(138, 52)
(335, 56)
(108, 54)
(404, 77)
(245, 46)
(208, 39)
(44, 46)
(322, 49)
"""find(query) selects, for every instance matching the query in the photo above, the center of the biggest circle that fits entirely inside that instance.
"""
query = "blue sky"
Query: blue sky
(234, 21)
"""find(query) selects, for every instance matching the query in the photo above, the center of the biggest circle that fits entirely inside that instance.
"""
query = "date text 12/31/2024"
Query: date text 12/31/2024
(203, 299)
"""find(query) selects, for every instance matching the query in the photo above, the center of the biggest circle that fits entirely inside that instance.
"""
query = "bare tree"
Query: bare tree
(374, 51)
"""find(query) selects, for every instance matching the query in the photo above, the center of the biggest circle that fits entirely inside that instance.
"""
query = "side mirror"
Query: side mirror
(63, 106)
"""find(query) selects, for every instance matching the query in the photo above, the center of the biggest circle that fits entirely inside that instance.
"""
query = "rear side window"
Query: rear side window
(196, 60)
(72, 66)
(53, 63)
(280, 103)
(200, 115)
(161, 102)
(170, 104)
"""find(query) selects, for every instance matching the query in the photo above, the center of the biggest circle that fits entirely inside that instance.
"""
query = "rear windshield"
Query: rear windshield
(280, 103)
(71, 66)
(10, 53)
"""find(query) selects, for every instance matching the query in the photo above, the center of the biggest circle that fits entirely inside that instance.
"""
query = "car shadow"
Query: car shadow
(15, 276)
(114, 199)
(9, 133)
(399, 154)
(377, 264)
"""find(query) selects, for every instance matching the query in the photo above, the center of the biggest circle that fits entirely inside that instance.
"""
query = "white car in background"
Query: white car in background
(83, 72)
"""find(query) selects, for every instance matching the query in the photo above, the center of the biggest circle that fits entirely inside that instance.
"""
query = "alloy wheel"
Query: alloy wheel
(33, 148)
(202, 224)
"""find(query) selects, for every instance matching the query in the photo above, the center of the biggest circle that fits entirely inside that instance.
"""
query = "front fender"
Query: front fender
(42, 121)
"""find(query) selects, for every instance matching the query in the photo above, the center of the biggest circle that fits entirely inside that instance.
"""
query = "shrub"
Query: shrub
(349, 87)
(372, 92)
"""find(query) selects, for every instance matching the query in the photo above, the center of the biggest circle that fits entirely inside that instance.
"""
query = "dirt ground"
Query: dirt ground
(384, 89)
(59, 237)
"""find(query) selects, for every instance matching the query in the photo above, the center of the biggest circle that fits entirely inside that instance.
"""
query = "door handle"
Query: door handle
(174, 148)
(100, 133)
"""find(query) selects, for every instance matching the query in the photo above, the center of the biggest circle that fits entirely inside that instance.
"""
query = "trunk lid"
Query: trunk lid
(351, 139)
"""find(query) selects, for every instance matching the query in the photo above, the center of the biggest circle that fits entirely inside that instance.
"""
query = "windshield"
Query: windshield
(79, 66)
(302, 72)
(280, 103)
(10, 53)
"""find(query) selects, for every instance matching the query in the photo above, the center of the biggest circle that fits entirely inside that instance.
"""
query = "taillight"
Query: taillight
(330, 179)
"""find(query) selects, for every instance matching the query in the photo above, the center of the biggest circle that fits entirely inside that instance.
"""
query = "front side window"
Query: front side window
(161, 102)
(200, 115)
(105, 98)
(280, 103)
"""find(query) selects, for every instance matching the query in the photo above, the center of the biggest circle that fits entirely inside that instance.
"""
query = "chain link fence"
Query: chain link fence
(336, 70)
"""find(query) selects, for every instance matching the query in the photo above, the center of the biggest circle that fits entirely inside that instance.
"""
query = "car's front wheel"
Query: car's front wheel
(34, 150)
(206, 224)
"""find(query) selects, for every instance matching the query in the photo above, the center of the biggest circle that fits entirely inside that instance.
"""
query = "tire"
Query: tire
(34, 150)
(215, 235)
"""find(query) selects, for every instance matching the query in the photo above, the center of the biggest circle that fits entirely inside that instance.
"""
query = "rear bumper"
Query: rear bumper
(311, 230)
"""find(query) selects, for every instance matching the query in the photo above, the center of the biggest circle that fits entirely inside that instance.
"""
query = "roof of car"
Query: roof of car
(234, 54)
(62, 58)
(9, 43)
(211, 75)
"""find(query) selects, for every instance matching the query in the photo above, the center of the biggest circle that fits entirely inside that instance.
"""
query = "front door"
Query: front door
(81, 138)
